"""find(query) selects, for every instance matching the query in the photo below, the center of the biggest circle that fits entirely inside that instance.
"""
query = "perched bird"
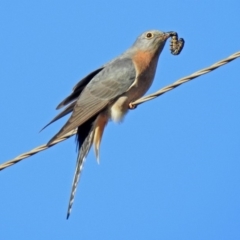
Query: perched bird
(106, 94)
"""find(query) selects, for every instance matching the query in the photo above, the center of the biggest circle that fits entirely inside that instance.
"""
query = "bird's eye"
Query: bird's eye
(149, 35)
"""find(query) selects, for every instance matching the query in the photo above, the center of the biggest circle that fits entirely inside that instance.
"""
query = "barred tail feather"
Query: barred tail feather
(82, 154)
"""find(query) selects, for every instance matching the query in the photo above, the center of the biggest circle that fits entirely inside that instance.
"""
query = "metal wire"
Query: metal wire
(187, 79)
(139, 101)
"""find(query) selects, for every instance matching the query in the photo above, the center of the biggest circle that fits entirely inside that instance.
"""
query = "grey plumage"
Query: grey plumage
(106, 93)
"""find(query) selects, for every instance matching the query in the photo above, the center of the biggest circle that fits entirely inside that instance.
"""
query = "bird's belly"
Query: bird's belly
(119, 108)
(140, 87)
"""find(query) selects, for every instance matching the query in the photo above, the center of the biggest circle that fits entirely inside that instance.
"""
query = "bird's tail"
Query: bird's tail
(89, 133)
(82, 154)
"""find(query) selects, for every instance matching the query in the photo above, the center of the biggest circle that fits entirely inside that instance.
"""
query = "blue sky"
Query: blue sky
(169, 171)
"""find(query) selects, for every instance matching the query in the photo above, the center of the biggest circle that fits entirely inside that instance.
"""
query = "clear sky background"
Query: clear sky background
(170, 171)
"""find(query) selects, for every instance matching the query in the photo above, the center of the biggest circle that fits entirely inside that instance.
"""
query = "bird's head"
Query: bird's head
(152, 41)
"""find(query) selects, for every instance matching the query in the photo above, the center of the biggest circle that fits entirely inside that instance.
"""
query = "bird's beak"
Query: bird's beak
(170, 34)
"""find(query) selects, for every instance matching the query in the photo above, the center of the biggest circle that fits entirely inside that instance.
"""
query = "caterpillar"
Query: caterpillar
(176, 45)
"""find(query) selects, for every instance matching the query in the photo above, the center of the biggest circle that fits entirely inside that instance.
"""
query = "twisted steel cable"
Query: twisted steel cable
(187, 79)
(138, 102)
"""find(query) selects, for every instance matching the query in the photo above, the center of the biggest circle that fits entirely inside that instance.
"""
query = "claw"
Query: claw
(132, 106)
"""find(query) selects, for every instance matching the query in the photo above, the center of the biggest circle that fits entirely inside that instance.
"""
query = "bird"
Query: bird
(106, 95)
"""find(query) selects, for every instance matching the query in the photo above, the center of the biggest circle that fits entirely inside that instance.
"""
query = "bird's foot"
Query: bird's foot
(132, 106)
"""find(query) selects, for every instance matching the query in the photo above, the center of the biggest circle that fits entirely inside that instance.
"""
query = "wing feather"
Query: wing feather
(77, 89)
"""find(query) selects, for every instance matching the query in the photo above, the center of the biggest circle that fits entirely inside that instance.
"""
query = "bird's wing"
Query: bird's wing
(78, 88)
(70, 101)
(114, 80)
(65, 111)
